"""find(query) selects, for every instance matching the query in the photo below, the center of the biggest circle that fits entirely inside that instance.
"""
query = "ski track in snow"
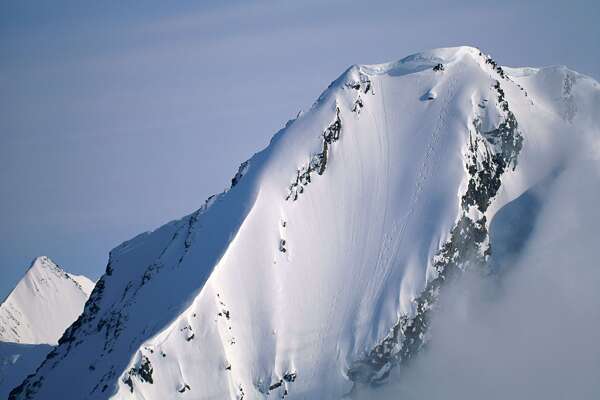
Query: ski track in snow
(398, 232)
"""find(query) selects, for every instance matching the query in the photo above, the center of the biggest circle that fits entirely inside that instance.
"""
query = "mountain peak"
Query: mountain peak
(42, 260)
(42, 264)
(318, 269)
(43, 304)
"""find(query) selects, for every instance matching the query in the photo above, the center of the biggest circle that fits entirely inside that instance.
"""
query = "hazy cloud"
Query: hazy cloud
(532, 333)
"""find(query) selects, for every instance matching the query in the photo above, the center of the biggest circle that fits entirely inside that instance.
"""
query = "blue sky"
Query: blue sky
(116, 117)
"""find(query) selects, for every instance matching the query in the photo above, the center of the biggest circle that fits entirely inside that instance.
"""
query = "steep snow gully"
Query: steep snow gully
(319, 268)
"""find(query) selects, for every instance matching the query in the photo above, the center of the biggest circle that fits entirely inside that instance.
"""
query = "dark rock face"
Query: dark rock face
(490, 154)
(143, 372)
(185, 387)
(489, 60)
(240, 173)
(357, 105)
(282, 244)
(318, 162)
(363, 84)
(283, 383)
(289, 376)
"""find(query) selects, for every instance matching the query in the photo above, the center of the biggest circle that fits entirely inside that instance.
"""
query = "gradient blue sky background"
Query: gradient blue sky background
(116, 117)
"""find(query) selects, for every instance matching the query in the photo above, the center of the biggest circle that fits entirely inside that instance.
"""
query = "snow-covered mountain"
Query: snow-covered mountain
(318, 268)
(35, 314)
(43, 304)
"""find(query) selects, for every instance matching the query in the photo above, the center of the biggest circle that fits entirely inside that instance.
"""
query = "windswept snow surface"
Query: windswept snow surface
(299, 280)
(34, 316)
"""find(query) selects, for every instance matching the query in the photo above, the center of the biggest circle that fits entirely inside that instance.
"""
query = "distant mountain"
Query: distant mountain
(318, 269)
(34, 316)
(43, 304)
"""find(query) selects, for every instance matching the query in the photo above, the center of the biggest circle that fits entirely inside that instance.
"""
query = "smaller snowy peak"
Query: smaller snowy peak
(43, 270)
(43, 304)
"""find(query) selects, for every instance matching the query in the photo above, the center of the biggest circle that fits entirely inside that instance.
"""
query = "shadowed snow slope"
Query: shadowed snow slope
(17, 360)
(317, 269)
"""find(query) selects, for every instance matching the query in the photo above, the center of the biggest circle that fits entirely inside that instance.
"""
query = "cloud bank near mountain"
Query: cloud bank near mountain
(532, 332)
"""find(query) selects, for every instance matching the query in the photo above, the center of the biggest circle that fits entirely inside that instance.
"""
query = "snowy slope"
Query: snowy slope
(43, 304)
(318, 268)
(34, 316)
(17, 360)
